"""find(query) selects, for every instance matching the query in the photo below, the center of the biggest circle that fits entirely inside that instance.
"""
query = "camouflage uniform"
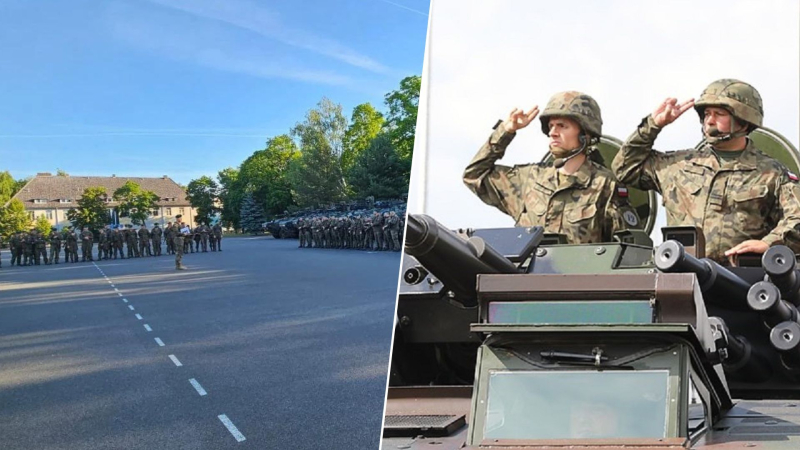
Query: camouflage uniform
(587, 206)
(16, 249)
(55, 246)
(752, 197)
(175, 232)
(217, 231)
(393, 229)
(156, 235)
(117, 239)
(87, 240)
(144, 241)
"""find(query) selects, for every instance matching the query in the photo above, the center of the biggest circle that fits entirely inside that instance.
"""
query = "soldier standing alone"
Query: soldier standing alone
(178, 237)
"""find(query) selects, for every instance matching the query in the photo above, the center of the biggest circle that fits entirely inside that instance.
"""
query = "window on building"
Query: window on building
(65, 200)
(39, 200)
(49, 214)
(30, 215)
(169, 211)
(154, 213)
(180, 211)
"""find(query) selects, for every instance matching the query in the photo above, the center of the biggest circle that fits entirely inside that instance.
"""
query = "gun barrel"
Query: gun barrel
(723, 287)
(780, 264)
(451, 259)
(765, 298)
(785, 337)
(743, 360)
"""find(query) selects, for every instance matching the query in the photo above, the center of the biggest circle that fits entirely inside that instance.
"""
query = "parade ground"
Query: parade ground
(262, 345)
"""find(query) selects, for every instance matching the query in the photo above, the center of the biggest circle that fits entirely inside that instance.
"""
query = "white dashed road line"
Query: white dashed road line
(231, 427)
(159, 342)
(197, 387)
(119, 293)
(175, 360)
(138, 316)
(130, 307)
(147, 327)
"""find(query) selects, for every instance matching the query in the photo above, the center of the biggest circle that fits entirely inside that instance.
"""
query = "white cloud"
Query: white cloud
(489, 57)
(257, 19)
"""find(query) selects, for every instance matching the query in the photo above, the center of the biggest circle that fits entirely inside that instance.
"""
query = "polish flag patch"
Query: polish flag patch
(792, 176)
(623, 191)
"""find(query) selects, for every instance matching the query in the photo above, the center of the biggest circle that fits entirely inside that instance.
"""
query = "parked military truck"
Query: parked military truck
(510, 339)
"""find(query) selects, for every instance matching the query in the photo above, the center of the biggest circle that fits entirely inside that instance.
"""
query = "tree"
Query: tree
(135, 202)
(92, 211)
(252, 216)
(43, 226)
(379, 171)
(203, 194)
(401, 122)
(316, 177)
(265, 174)
(365, 124)
(231, 193)
(327, 118)
(61, 173)
(13, 218)
(8, 187)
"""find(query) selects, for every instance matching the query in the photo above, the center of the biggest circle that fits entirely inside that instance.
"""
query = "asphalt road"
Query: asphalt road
(289, 346)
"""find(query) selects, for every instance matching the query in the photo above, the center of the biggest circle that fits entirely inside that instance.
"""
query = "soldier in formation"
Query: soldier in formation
(359, 231)
(30, 248)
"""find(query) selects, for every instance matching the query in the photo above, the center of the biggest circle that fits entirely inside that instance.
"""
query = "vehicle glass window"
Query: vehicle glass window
(576, 404)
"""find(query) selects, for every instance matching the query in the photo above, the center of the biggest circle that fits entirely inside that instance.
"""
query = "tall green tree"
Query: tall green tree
(92, 210)
(316, 177)
(365, 124)
(43, 226)
(203, 194)
(135, 202)
(231, 193)
(379, 171)
(252, 215)
(401, 121)
(13, 218)
(327, 118)
(8, 187)
(264, 174)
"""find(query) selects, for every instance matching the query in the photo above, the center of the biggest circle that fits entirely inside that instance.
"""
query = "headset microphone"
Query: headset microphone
(560, 162)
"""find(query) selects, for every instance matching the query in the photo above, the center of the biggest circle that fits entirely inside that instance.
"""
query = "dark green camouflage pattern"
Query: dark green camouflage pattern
(586, 206)
(754, 197)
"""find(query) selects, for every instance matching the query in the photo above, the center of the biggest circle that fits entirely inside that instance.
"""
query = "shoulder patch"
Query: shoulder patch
(630, 218)
(792, 176)
(622, 191)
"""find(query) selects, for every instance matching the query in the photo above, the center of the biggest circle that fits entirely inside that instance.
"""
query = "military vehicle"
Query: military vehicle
(510, 339)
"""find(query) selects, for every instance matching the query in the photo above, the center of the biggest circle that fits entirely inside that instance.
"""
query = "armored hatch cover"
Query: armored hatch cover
(645, 202)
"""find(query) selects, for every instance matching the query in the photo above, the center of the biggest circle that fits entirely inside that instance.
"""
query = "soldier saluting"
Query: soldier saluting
(574, 195)
(743, 200)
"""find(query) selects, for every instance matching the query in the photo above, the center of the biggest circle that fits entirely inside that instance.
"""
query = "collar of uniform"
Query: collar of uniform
(580, 178)
(747, 161)
(749, 158)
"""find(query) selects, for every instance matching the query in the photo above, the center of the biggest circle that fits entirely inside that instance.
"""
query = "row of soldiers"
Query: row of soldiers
(355, 231)
(30, 248)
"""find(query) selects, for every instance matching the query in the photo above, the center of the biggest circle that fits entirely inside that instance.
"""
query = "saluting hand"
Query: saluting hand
(519, 119)
(669, 110)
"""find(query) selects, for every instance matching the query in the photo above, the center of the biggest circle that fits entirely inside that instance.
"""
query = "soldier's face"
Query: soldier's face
(718, 119)
(564, 133)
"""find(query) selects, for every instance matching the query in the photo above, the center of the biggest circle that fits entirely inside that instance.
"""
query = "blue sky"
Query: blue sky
(186, 87)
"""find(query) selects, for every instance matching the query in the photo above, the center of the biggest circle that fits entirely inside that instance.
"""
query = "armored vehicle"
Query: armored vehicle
(510, 339)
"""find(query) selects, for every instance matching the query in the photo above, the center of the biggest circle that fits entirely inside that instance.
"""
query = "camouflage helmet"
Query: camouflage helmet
(741, 99)
(578, 107)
